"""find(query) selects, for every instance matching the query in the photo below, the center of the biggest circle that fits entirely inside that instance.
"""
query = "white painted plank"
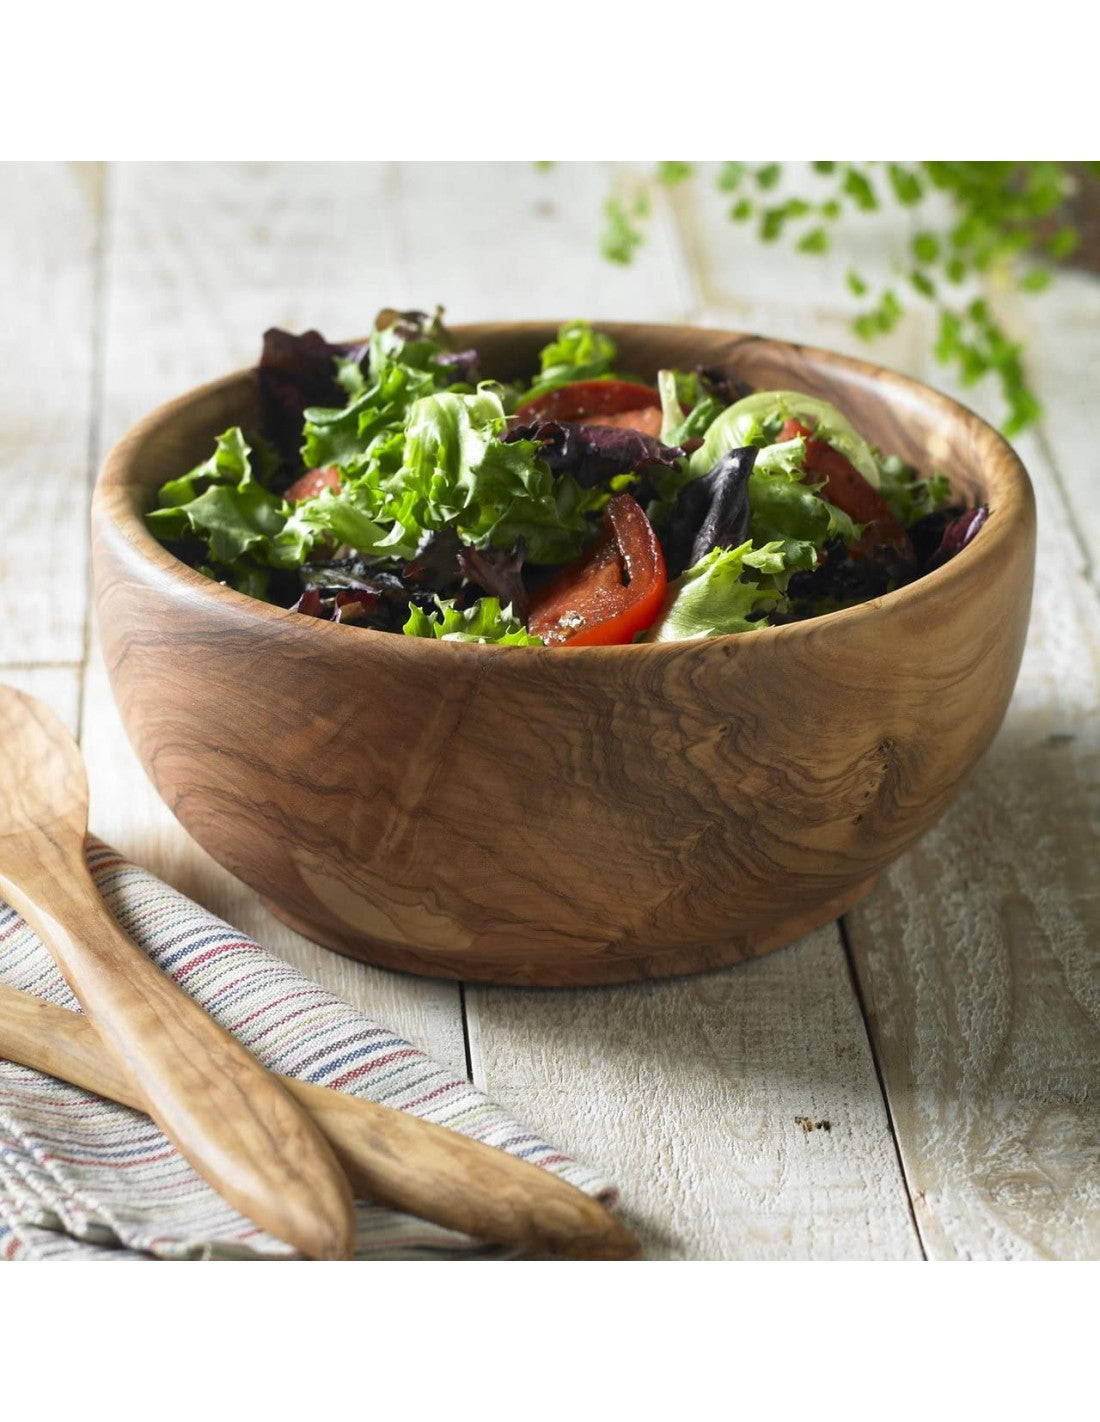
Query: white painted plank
(203, 257)
(57, 687)
(1061, 332)
(733, 266)
(200, 259)
(977, 952)
(688, 1092)
(738, 1111)
(504, 241)
(47, 275)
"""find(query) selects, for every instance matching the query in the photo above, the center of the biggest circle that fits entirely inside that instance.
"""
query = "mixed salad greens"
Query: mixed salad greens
(391, 486)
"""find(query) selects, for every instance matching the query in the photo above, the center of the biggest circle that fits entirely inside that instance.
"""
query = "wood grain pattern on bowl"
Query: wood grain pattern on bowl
(568, 816)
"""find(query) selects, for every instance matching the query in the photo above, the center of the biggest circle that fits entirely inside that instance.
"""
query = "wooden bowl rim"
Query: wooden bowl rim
(1011, 501)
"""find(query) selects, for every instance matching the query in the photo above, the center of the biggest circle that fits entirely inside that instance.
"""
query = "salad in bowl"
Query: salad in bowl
(672, 800)
(395, 485)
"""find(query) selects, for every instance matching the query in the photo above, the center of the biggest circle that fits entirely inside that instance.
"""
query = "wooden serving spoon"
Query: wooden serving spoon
(391, 1157)
(233, 1121)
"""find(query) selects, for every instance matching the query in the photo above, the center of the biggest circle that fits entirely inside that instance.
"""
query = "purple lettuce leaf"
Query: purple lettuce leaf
(361, 605)
(461, 366)
(592, 454)
(926, 534)
(435, 565)
(711, 512)
(958, 534)
(349, 590)
(498, 571)
(841, 580)
(296, 372)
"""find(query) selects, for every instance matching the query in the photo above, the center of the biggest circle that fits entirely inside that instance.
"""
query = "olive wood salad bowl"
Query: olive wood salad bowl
(579, 815)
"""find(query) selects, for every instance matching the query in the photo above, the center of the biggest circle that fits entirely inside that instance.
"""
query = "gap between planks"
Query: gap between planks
(98, 340)
(853, 977)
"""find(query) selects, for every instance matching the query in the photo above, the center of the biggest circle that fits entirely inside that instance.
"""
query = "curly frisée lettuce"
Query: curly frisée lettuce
(441, 462)
(485, 621)
(222, 504)
(391, 487)
(448, 467)
(909, 497)
(458, 472)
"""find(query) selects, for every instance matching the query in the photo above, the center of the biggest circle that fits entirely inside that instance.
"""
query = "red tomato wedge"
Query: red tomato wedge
(312, 483)
(647, 421)
(846, 487)
(611, 593)
(589, 400)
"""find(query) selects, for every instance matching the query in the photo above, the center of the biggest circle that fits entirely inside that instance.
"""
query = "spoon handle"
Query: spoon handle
(231, 1119)
(391, 1157)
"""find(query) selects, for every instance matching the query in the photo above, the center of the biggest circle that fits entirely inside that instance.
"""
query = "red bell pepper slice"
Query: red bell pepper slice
(612, 592)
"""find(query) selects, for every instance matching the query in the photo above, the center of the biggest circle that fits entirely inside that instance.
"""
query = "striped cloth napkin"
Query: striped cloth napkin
(85, 1178)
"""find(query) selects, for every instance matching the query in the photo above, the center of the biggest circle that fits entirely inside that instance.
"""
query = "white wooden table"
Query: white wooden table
(920, 1080)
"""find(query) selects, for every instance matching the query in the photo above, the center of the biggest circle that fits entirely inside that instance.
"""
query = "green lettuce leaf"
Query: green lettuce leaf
(457, 472)
(232, 521)
(679, 388)
(350, 515)
(369, 430)
(908, 496)
(417, 453)
(787, 512)
(417, 458)
(234, 515)
(231, 463)
(578, 353)
(409, 338)
(485, 621)
(717, 595)
(753, 419)
(245, 576)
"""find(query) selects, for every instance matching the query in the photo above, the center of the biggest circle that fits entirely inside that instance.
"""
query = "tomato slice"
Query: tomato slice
(588, 400)
(312, 483)
(647, 421)
(846, 487)
(611, 593)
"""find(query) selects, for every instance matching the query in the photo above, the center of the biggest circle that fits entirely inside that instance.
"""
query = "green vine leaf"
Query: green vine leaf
(768, 175)
(1003, 220)
(816, 240)
(672, 173)
(623, 234)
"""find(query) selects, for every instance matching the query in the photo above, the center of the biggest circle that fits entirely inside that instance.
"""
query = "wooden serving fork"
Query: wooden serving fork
(391, 1157)
(235, 1122)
